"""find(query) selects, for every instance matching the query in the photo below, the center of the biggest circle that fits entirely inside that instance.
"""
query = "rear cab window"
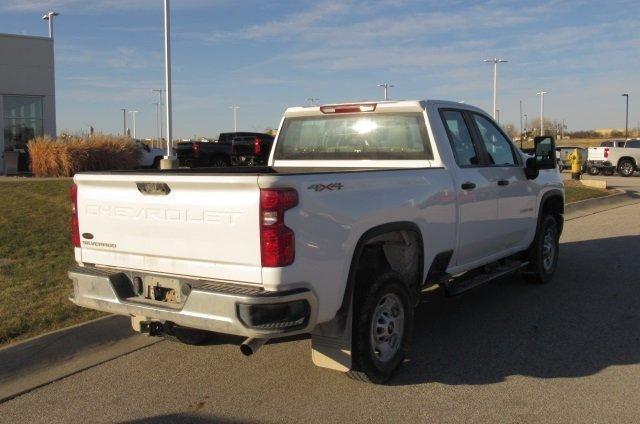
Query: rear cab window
(372, 136)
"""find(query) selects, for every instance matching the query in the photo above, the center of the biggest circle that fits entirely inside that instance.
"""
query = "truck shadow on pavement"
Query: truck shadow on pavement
(585, 320)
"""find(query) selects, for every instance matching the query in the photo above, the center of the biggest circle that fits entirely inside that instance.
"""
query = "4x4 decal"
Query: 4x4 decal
(322, 187)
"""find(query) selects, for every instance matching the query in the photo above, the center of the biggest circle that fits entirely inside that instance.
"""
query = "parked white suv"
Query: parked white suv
(361, 207)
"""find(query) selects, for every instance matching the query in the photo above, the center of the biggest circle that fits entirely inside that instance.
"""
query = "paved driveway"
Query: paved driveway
(509, 352)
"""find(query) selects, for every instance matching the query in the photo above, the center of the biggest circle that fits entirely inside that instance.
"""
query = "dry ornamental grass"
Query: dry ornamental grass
(67, 156)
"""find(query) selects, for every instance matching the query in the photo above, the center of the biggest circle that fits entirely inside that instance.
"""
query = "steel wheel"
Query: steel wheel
(548, 250)
(387, 327)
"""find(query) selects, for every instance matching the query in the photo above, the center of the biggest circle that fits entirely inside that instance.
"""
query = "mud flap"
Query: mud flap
(331, 342)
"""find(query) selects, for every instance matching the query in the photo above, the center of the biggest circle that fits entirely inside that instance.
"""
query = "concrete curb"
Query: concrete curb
(600, 204)
(27, 365)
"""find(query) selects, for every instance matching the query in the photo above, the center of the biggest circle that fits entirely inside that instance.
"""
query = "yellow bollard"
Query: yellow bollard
(576, 164)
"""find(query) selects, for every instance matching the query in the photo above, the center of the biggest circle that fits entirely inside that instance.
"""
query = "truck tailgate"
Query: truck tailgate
(203, 226)
(597, 153)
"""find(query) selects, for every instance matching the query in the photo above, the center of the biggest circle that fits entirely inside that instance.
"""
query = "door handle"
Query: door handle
(468, 185)
(503, 182)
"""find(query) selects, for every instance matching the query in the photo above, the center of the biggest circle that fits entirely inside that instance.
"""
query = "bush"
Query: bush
(67, 156)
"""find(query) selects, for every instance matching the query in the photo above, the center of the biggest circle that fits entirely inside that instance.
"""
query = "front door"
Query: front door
(477, 192)
(516, 194)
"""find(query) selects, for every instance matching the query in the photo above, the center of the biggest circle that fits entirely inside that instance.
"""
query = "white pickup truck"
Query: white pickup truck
(361, 207)
(615, 155)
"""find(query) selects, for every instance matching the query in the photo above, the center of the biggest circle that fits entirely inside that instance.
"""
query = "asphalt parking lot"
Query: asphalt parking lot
(508, 352)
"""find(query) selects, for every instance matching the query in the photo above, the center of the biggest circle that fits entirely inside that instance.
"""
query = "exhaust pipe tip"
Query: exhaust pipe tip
(251, 346)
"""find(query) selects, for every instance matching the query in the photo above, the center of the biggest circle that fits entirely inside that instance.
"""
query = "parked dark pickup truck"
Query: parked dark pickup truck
(239, 148)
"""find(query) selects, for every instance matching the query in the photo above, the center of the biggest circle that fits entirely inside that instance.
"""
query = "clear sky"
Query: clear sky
(267, 55)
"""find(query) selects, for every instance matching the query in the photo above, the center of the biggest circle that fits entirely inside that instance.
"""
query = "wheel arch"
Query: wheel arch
(552, 202)
(371, 235)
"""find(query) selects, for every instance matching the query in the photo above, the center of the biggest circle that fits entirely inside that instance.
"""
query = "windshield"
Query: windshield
(370, 136)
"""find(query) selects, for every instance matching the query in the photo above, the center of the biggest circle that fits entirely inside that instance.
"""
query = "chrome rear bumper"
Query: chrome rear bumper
(206, 305)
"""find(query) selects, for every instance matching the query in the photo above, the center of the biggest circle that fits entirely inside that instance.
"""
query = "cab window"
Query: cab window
(464, 148)
(498, 147)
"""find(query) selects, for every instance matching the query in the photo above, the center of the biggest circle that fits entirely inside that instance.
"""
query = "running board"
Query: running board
(458, 285)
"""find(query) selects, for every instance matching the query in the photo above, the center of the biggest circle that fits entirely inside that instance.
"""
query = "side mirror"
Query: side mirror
(545, 152)
(544, 157)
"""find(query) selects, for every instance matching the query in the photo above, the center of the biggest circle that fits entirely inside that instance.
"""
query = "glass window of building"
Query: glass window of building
(22, 120)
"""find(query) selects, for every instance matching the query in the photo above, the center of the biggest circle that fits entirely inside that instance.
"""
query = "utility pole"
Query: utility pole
(49, 17)
(235, 117)
(526, 127)
(626, 118)
(160, 110)
(386, 86)
(124, 121)
(520, 120)
(157, 119)
(541, 94)
(133, 122)
(495, 62)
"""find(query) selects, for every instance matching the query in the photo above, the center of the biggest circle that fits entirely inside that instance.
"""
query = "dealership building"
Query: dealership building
(27, 97)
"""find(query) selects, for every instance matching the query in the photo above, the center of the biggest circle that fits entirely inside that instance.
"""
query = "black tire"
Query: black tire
(543, 253)
(369, 364)
(190, 336)
(594, 170)
(607, 172)
(219, 162)
(626, 168)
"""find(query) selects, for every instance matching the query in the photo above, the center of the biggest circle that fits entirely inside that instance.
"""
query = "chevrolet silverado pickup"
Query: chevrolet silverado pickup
(230, 149)
(615, 155)
(360, 208)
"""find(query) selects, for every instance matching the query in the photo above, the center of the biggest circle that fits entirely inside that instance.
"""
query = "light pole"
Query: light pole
(386, 86)
(312, 100)
(626, 119)
(160, 110)
(497, 116)
(235, 117)
(169, 161)
(541, 94)
(124, 121)
(49, 17)
(495, 62)
(133, 122)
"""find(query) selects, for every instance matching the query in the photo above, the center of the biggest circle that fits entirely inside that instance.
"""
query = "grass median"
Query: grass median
(35, 252)
(574, 191)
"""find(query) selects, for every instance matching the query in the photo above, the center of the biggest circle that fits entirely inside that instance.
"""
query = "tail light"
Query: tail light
(257, 146)
(196, 150)
(277, 241)
(367, 107)
(606, 152)
(75, 225)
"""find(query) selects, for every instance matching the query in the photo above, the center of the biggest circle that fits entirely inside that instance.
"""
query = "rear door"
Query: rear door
(477, 193)
(202, 226)
(516, 193)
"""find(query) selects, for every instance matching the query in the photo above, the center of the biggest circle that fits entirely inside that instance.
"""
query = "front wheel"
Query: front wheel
(383, 323)
(543, 253)
(626, 168)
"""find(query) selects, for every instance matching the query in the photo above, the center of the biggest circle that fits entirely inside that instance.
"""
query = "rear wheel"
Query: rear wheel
(594, 170)
(626, 168)
(383, 323)
(219, 162)
(543, 253)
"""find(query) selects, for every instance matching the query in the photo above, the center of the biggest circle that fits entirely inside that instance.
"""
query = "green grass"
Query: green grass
(574, 192)
(35, 252)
